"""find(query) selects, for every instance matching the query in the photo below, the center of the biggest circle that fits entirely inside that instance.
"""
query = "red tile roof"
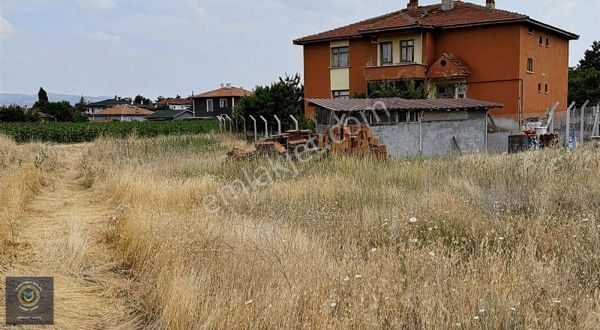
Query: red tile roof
(225, 92)
(447, 67)
(432, 16)
(125, 110)
(176, 101)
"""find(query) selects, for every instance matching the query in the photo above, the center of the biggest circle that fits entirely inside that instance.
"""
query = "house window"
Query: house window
(413, 116)
(407, 51)
(387, 56)
(547, 42)
(530, 65)
(223, 103)
(343, 94)
(401, 117)
(539, 88)
(546, 89)
(209, 105)
(339, 57)
(541, 40)
(530, 31)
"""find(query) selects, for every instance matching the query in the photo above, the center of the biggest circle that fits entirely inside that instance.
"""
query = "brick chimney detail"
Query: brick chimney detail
(413, 4)
(490, 4)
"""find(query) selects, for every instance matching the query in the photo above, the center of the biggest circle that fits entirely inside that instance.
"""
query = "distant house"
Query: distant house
(123, 112)
(96, 107)
(177, 104)
(218, 102)
(164, 115)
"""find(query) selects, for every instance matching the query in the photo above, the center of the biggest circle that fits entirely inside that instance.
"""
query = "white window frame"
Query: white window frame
(340, 94)
(209, 105)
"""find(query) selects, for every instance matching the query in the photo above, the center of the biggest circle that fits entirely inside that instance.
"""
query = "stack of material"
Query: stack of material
(238, 153)
(282, 143)
(354, 140)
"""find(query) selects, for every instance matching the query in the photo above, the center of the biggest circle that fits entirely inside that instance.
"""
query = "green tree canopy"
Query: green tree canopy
(282, 98)
(584, 80)
(15, 113)
(142, 100)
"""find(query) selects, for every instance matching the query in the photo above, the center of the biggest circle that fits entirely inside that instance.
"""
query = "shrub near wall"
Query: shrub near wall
(86, 132)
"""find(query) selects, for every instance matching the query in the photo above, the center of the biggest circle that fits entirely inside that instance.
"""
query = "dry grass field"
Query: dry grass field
(476, 242)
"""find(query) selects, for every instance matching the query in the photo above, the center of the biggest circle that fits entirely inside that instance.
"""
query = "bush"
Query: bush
(88, 131)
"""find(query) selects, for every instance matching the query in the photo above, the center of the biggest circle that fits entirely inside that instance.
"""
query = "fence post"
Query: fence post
(278, 124)
(582, 120)
(568, 124)
(295, 121)
(596, 130)
(266, 126)
(255, 129)
(220, 123)
(230, 123)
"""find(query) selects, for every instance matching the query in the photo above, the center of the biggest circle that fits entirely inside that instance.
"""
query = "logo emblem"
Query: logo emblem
(29, 295)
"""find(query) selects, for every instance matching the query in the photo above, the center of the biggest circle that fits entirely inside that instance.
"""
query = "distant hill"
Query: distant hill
(29, 100)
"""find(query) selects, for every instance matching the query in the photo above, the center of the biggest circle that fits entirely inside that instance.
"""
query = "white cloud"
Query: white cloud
(98, 4)
(7, 31)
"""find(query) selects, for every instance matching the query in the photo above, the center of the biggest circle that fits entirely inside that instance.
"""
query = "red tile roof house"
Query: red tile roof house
(177, 104)
(454, 49)
(218, 102)
(124, 112)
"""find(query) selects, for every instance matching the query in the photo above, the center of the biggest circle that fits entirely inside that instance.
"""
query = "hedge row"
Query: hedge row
(89, 131)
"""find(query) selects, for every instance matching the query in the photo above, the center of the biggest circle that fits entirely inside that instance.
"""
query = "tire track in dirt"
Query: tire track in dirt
(63, 236)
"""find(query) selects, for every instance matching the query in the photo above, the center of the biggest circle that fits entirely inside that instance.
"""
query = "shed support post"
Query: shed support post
(255, 129)
(266, 126)
(295, 121)
(220, 123)
(278, 124)
(244, 126)
(582, 121)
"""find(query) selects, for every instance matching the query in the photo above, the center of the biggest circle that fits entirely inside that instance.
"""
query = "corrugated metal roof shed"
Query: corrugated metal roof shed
(350, 105)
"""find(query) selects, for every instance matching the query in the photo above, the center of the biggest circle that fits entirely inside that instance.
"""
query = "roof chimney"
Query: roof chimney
(222, 85)
(447, 5)
(413, 4)
(228, 85)
(490, 4)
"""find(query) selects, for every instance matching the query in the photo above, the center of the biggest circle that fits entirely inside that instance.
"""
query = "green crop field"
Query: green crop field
(89, 131)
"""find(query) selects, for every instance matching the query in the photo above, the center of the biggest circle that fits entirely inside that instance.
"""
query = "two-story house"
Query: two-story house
(452, 49)
(221, 101)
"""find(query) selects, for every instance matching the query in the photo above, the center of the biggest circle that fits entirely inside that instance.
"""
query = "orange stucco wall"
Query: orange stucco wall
(363, 54)
(550, 67)
(316, 73)
(492, 56)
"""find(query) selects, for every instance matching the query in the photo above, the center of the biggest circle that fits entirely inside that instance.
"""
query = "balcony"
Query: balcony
(396, 72)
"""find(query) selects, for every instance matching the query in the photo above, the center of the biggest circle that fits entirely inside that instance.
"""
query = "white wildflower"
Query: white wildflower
(249, 302)
(333, 305)
(357, 276)
(414, 240)
(347, 279)
(431, 253)
(501, 238)
(413, 220)
(373, 250)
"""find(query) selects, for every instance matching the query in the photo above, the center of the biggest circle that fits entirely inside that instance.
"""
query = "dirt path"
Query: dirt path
(63, 237)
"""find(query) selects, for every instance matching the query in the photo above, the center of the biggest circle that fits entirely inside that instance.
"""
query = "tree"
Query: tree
(142, 100)
(584, 80)
(407, 89)
(591, 59)
(42, 98)
(81, 105)
(282, 98)
(15, 113)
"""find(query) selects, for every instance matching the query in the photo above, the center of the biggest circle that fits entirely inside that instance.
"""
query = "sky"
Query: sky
(169, 47)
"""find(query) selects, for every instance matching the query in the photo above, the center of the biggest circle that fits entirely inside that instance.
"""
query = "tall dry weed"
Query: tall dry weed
(23, 171)
(481, 241)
